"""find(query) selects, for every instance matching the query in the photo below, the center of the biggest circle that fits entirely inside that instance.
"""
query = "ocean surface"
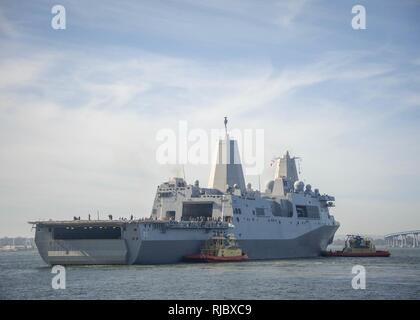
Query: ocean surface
(23, 275)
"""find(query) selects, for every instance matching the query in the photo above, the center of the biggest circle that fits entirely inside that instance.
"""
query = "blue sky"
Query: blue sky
(80, 107)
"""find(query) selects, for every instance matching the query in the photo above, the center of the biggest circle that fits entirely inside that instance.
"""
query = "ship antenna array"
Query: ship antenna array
(299, 163)
(226, 121)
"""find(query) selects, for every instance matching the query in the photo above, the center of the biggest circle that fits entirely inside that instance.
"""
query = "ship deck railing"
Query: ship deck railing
(198, 224)
(167, 223)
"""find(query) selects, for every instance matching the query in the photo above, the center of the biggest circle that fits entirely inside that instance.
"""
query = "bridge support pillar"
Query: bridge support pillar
(403, 239)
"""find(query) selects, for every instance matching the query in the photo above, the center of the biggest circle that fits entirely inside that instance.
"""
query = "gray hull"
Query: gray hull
(172, 246)
(308, 245)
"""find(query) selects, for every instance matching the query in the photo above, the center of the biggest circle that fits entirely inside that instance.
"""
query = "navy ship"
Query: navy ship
(287, 220)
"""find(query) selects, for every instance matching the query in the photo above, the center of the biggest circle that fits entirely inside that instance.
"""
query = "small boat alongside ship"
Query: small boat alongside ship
(219, 248)
(357, 246)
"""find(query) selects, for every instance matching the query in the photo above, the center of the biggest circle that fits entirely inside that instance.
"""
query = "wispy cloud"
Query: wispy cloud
(7, 29)
(289, 11)
(19, 72)
(79, 114)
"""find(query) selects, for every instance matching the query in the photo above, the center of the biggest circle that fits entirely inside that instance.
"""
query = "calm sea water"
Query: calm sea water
(23, 275)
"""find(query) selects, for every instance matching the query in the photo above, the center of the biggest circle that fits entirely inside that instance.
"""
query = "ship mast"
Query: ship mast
(227, 170)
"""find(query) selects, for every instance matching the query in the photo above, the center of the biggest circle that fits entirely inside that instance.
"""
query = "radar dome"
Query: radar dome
(308, 188)
(299, 185)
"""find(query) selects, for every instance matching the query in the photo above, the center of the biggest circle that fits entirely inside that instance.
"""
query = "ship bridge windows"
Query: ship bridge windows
(165, 194)
(310, 212)
(237, 211)
(79, 232)
(197, 210)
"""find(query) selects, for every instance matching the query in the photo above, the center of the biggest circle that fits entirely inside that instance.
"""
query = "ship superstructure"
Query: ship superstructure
(287, 220)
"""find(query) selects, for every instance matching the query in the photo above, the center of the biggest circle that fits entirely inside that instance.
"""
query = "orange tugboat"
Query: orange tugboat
(219, 248)
(357, 246)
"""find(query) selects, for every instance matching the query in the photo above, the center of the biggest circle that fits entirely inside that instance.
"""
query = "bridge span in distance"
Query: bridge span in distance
(404, 239)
